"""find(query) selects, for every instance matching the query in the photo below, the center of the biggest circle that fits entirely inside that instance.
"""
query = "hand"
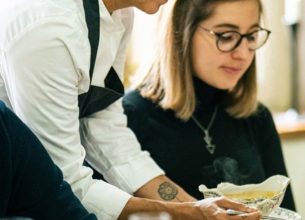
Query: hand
(215, 209)
(207, 209)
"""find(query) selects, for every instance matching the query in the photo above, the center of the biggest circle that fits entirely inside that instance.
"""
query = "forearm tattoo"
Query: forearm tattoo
(167, 191)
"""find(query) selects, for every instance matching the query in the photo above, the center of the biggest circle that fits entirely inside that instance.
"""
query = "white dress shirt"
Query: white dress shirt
(44, 63)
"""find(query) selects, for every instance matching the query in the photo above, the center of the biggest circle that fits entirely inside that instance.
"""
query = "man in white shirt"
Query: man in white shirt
(74, 107)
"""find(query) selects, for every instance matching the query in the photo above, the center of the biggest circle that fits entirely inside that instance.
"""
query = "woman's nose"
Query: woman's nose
(242, 51)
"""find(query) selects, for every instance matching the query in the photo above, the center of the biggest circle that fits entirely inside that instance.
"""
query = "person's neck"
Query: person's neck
(207, 96)
(113, 5)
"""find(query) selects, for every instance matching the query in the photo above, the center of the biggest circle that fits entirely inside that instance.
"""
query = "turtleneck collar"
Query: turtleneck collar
(207, 96)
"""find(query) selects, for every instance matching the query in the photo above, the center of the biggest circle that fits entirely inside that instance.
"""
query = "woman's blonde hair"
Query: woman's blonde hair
(168, 80)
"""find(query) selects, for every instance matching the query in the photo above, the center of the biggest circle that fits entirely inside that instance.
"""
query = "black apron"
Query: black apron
(97, 98)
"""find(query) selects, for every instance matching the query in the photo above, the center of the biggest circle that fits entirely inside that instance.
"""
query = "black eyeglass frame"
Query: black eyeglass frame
(220, 34)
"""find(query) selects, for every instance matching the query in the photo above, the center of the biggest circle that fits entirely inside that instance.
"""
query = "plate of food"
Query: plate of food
(265, 196)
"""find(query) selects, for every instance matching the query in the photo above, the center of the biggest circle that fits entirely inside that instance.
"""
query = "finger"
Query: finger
(246, 216)
(226, 203)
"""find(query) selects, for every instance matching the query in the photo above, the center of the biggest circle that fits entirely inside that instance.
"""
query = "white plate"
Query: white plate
(285, 214)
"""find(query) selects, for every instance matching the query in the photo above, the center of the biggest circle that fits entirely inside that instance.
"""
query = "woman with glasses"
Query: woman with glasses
(195, 108)
(62, 62)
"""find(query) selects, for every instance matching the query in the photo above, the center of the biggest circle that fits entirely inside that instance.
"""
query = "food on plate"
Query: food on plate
(251, 195)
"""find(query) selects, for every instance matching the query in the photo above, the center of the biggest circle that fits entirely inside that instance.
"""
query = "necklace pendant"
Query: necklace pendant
(208, 140)
(211, 148)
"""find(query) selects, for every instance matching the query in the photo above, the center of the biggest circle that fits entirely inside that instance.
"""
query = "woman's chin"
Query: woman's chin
(226, 86)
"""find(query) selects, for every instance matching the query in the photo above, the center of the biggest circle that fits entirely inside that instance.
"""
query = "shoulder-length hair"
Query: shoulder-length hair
(168, 80)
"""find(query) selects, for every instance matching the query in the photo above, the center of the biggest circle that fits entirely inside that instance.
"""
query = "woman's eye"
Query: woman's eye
(252, 37)
(227, 37)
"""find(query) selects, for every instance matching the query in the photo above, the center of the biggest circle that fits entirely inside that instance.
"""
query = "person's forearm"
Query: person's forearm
(162, 188)
(135, 205)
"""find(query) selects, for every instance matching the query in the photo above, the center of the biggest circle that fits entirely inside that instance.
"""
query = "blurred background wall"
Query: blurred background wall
(273, 60)
(282, 80)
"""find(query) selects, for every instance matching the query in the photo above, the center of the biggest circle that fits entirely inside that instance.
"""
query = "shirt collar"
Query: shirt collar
(112, 22)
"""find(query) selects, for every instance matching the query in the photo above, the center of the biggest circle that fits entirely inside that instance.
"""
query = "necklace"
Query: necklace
(207, 138)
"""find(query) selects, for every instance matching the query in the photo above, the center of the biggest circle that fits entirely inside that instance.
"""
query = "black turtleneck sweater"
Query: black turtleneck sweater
(247, 150)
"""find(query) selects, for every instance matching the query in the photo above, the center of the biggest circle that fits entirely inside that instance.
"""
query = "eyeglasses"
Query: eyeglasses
(229, 40)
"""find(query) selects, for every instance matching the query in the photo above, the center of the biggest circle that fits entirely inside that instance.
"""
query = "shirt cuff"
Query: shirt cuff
(105, 201)
(134, 174)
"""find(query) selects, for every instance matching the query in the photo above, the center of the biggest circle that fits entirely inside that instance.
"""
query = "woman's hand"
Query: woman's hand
(215, 209)
(206, 209)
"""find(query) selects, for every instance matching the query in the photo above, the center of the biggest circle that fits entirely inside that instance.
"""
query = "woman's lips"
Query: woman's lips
(231, 70)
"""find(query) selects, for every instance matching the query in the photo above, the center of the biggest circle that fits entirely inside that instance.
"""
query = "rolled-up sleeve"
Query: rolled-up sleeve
(113, 150)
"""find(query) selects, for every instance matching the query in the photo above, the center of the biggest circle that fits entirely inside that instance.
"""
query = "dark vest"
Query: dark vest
(97, 98)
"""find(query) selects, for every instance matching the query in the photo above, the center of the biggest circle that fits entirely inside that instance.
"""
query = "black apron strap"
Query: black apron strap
(92, 14)
(97, 98)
